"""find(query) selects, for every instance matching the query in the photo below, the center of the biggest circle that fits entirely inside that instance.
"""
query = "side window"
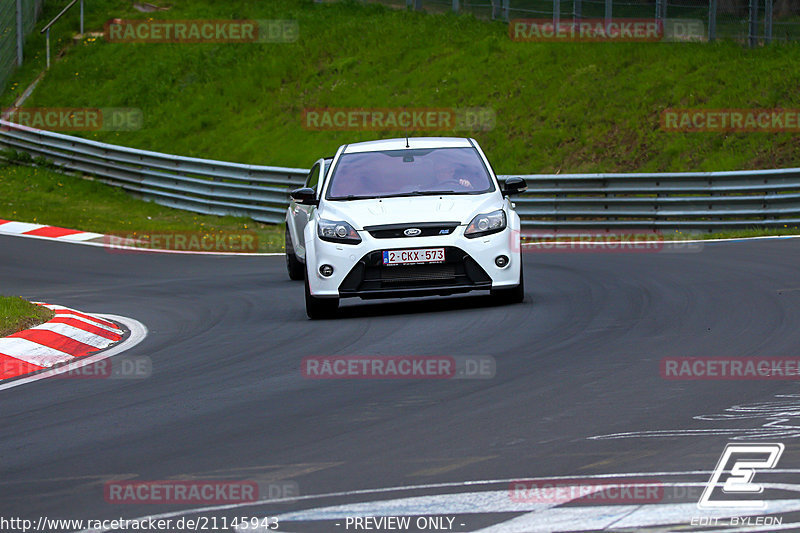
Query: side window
(313, 177)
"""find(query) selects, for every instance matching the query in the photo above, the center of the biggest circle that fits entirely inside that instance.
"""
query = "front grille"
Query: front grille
(412, 273)
(396, 231)
(459, 272)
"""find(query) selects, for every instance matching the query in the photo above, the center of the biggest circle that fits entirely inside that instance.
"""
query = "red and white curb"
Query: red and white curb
(69, 340)
(8, 227)
(40, 231)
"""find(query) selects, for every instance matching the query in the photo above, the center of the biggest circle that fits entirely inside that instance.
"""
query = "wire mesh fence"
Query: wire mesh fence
(12, 14)
(751, 22)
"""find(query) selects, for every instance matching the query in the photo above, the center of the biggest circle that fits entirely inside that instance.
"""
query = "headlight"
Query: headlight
(486, 224)
(331, 231)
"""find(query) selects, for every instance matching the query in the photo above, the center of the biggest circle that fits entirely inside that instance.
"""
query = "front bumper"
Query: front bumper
(358, 270)
(370, 278)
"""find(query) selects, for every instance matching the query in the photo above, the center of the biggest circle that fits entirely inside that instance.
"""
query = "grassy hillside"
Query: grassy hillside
(44, 197)
(559, 106)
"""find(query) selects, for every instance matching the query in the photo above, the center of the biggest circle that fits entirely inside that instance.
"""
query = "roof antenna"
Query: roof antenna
(407, 146)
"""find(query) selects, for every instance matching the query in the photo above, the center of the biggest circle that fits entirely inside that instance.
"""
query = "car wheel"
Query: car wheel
(513, 295)
(295, 268)
(319, 307)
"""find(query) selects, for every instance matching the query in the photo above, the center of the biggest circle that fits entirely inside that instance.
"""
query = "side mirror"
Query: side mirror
(514, 185)
(305, 196)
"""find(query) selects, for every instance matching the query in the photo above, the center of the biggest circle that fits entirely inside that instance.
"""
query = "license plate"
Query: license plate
(407, 257)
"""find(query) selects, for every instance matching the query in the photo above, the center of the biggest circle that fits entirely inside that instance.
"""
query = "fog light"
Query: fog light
(501, 261)
(326, 270)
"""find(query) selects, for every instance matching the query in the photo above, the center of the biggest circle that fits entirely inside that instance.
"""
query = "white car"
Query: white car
(404, 217)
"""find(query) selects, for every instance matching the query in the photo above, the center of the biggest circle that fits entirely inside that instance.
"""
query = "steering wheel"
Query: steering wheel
(456, 181)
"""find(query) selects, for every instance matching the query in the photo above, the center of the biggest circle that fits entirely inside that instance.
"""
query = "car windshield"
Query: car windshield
(409, 172)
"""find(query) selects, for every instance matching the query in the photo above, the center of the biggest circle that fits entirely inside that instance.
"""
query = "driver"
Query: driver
(447, 177)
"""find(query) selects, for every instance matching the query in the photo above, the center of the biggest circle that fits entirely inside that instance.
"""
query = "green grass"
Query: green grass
(17, 314)
(560, 107)
(42, 196)
(568, 107)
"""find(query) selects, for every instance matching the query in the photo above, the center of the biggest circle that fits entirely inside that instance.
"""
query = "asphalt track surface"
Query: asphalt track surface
(226, 400)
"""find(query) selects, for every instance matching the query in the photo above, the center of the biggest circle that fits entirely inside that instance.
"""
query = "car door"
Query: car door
(303, 213)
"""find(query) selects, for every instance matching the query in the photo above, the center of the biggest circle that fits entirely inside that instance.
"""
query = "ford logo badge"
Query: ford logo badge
(412, 232)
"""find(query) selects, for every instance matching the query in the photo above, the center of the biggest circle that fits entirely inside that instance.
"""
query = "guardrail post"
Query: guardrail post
(456, 6)
(81, 17)
(609, 4)
(753, 31)
(712, 20)
(767, 21)
(47, 38)
(20, 33)
(556, 13)
(611, 195)
(576, 15)
(506, 9)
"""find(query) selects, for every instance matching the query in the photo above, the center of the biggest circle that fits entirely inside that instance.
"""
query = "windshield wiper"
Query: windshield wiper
(398, 195)
(353, 197)
(419, 193)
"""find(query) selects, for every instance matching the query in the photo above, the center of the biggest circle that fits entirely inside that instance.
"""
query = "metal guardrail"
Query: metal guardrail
(198, 185)
(683, 200)
(678, 200)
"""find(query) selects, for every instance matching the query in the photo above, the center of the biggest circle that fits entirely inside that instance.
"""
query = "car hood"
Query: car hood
(373, 212)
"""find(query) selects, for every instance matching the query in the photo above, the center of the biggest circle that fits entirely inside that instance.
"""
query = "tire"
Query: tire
(296, 269)
(320, 307)
(513, 295)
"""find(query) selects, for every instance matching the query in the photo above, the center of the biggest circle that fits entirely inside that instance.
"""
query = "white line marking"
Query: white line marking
(619, 517)
(495, 501)
(689, 241)
(138, 334)
(119, 249)
(457, 484)
(275, 254)
(83, 236)
(775, 419)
